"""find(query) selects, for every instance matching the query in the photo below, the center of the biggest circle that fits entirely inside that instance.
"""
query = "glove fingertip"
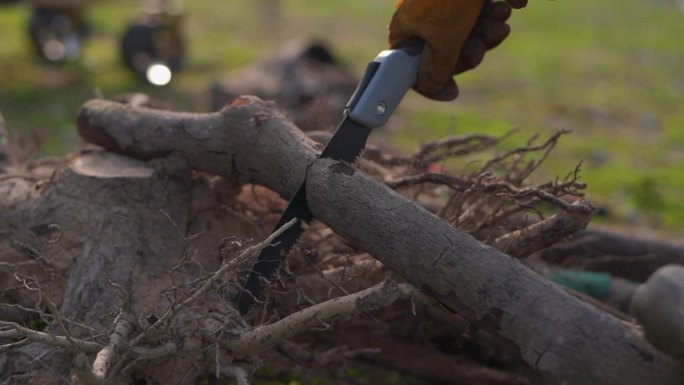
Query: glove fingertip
(491, 32)
(500, 11)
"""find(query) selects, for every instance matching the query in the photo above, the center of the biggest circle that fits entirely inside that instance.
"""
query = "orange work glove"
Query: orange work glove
(457, 33)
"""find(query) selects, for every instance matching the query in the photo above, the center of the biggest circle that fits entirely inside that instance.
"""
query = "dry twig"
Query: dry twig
(264, 337)
(117, 342)
(13, 331)
(487, 202)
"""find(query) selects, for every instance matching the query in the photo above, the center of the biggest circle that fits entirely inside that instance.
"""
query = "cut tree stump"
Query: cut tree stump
(106, 235)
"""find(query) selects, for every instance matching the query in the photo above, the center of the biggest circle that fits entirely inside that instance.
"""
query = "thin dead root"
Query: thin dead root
(486, 203)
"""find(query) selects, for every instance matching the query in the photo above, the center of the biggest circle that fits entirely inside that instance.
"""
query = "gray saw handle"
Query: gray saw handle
(384, 84)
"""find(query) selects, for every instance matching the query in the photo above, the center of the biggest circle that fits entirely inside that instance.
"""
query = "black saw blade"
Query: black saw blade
(345, 145)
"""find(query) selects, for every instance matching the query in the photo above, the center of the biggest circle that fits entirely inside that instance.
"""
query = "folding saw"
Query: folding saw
(385, 82)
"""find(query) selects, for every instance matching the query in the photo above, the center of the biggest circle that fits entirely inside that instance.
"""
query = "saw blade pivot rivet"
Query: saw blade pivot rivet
(381, 108)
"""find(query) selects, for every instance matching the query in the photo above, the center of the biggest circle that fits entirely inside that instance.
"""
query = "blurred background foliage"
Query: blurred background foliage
(612, 71)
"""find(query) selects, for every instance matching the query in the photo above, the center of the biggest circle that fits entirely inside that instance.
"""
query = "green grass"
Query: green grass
(611, 71)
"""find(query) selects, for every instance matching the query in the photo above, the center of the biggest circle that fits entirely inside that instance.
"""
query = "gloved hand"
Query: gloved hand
(457, 33)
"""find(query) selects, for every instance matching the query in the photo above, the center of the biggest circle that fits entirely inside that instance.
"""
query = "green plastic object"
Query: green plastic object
(594, 284)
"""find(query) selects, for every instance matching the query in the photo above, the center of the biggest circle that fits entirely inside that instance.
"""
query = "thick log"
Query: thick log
(565, 340)
(249, 140)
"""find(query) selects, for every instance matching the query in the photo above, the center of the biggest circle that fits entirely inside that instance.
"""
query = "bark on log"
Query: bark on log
(565, 340)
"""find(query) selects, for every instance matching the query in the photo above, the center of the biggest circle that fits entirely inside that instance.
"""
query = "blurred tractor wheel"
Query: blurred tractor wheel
(57, 34)
(154, 48)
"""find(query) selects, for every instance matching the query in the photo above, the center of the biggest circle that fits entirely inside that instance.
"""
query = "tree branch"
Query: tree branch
(265, 337)
(18, 331)
(106, 357)
(556, 228)
(249, 139)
